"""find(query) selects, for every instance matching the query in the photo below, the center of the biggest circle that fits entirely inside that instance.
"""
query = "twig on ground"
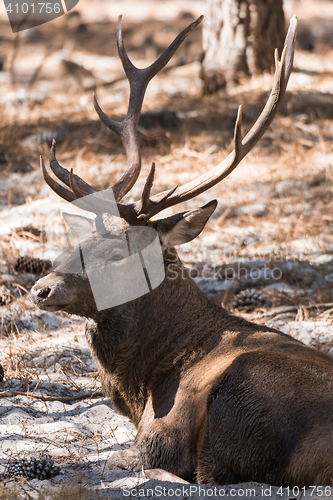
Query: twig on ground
(16, 47)
(62, 399)
(285, 309)
(37, 71)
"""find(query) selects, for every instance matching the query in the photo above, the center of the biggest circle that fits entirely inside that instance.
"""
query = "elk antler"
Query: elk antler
(192, 189)
(142, 210)
(126, 129)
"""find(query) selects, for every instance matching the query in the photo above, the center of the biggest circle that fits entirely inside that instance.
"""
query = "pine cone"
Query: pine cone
(248, 300)
(40, 469)
(32, 265)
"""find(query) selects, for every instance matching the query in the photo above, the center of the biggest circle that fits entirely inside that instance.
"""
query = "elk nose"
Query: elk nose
(43, 293)
(38, 295)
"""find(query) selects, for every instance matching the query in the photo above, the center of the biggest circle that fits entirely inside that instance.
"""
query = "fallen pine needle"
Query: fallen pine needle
(285, 309)
(64, 399)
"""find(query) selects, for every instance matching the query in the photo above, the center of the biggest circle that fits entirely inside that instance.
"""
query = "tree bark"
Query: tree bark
(239, 39)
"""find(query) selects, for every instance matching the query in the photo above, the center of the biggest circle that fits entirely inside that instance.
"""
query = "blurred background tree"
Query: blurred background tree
(239, 38)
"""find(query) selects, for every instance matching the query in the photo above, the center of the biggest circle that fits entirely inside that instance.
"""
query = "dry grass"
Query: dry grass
(276, 205)
(290, 172)
(22, 358)
(77, 490)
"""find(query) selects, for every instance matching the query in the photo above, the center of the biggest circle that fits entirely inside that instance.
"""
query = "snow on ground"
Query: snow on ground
(64, 416)
(52, 422)
(266, 254)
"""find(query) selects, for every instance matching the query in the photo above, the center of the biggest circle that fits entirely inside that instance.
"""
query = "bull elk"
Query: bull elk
(215, 398)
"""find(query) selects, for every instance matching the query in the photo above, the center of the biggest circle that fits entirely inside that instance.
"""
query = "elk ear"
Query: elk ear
(79, 224)
(184, 227)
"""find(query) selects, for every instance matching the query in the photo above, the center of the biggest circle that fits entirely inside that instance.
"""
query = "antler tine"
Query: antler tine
(74, 187)
(138, 81)
(55, 186)
(68, 178)
(283, 68)
(147, 190)
(95, 202)
(63, 174)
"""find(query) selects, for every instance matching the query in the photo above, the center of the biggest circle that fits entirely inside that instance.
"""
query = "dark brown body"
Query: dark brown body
(215, 398)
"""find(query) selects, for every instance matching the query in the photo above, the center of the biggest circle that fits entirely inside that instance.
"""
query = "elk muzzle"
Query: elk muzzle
(63, 292)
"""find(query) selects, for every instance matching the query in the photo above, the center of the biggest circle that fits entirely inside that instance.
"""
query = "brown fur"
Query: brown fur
(214, 398)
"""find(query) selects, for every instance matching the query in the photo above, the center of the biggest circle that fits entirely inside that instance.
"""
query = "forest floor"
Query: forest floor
(266, 254)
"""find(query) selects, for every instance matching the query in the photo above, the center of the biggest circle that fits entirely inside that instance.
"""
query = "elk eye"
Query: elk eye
(117, 257)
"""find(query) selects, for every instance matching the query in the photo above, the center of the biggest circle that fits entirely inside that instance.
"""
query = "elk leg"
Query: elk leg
(129, 459)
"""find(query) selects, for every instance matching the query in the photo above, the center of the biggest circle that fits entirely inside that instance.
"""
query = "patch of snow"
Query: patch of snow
(310, 332)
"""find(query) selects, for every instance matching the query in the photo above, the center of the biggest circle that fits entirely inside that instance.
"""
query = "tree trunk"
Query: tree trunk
(239, 39)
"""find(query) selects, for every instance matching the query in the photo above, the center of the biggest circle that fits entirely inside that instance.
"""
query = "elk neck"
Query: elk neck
(136, 346)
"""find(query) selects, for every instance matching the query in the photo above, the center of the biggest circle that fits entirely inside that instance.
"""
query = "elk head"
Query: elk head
(105, 240)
